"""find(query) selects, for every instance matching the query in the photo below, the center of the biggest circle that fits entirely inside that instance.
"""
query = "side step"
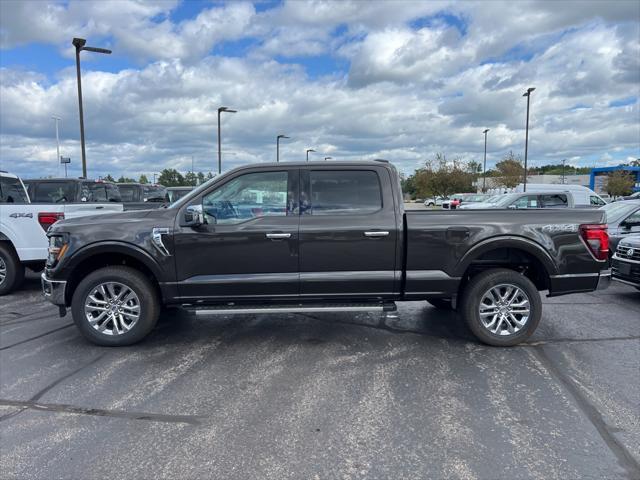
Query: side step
(231, 309)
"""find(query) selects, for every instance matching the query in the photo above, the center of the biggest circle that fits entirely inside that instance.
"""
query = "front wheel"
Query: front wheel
(115, 306)
(501, 307)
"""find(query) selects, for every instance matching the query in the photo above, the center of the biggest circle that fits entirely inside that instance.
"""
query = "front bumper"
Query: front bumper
(53, 290)
(626, 270)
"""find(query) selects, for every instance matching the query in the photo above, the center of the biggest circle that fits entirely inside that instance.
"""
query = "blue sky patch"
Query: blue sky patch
(623, 102)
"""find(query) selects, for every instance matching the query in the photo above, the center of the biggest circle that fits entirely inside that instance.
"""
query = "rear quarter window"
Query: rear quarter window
(11, 191)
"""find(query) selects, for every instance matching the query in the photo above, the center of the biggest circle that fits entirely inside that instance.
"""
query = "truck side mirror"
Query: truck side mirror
(193, 216)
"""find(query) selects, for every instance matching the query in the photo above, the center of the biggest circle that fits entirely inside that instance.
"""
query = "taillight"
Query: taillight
(597, 239)
(46, 219)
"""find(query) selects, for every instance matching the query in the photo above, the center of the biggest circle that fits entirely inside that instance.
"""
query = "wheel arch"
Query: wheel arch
(104, 254)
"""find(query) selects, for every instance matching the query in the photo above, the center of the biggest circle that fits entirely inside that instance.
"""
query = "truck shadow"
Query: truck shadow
(176, 326)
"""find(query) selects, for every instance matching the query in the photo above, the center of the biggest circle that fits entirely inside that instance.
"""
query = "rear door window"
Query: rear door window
(342, 192)
(128, 193)
(527, 201)
(54, 192)
(555, 201)
(11, 191)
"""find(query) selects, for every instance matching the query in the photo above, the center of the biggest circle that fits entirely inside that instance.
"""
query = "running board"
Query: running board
(294, 308)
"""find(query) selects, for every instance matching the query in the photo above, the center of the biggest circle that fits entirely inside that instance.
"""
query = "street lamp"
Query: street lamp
(58, 161)
(80, 43)
(563, 162)
(327, 158)
(220, 110)
(484, 169)
(526, 137)
(278, 146)
(309, 150)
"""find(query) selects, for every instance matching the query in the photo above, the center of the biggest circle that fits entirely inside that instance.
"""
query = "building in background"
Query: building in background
(599, 176)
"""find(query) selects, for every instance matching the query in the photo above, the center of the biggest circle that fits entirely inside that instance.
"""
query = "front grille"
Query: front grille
(625, 270)
(623, 252)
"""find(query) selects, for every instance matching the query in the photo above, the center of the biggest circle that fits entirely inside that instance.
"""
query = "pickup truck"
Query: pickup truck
(318, 236)
(23, 225)
(138, 196)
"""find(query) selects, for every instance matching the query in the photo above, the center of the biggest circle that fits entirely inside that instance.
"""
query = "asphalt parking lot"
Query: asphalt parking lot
(409, 395)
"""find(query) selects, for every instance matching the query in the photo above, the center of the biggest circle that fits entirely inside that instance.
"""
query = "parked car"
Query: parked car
(526, 201)
(23, 241)
(633, 196)
(138, 196)
(318, 236)
(487, 203)
(583, 197)
(459, 198)
(625, 264)
(435, 201)
(72, 190)
(623, 220)
(175, 193)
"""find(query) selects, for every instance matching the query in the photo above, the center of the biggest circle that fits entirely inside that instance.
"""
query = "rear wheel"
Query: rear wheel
(115, 306)
(11, 270)
(501, 307)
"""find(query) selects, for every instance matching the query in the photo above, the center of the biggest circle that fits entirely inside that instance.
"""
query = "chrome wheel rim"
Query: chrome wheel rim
(112, 308)
(504, 309)
(3, 270)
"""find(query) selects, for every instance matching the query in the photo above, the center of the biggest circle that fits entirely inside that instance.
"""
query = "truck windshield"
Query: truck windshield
(12, 191)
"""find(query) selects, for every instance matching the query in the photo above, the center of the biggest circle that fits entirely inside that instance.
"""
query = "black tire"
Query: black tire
(147, 296)
(481, 284)
(441, 303)
(13, 269)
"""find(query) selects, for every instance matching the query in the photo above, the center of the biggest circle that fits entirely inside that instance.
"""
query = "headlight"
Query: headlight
(58, 245)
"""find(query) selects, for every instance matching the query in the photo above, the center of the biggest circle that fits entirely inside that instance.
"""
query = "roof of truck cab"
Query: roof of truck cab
(321, 163)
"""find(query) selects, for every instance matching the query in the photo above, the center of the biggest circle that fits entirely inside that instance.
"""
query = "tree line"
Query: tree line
(441, 177)
(169, 177)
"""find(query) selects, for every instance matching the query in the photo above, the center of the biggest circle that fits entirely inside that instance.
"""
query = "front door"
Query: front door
(248, 246)
(348, 234)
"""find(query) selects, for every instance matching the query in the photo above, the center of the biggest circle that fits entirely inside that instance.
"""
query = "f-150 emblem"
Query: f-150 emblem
(21, 215)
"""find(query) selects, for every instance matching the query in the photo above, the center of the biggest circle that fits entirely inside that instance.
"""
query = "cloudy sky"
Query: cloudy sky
(352, 80)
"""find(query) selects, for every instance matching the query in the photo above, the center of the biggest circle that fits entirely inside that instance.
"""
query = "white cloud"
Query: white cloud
(408, 93)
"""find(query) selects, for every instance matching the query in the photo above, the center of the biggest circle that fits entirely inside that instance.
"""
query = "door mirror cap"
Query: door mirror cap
(193, 216)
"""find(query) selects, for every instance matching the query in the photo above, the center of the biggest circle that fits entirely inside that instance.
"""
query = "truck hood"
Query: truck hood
(633, 241)
(115, 221)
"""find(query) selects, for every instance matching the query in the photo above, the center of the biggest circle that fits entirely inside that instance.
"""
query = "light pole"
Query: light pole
(220, 110)
(484, 169)
(309, 150)
(327, 158)
(58, 161)
(278, 146)
(80, 43)
(563, 160)
(526, 135)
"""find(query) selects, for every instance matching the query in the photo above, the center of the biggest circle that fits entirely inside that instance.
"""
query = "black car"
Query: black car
(623, 220)
(138, 196)
(625, 264)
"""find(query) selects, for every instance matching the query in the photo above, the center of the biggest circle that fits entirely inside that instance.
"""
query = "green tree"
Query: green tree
(108, 178)
(510, 170)
(201, 178)
(124, 179)
(441, 178)
(143, 179)
(190, 179)
(170, 177)
(620, 183)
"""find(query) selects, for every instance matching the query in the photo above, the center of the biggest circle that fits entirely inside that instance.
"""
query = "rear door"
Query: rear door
(555, 200)
(348, 233)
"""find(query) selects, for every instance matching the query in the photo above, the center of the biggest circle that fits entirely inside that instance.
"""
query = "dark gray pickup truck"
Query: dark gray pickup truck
(302, 237)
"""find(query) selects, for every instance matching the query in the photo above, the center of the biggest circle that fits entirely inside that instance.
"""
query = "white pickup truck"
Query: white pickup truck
(23, 226)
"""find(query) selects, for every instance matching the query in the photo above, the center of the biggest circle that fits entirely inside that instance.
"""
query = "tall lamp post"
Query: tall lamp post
(327, 158)
(80, 44)
(220, 110)
(278, 146)
(526, 135)
(309, 150)
(484, 168)
(58, 160)
(563, 161)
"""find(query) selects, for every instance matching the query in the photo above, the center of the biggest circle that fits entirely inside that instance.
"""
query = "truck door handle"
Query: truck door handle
(99, 207)
(376, 233)
(278, 236)
(458, 233)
